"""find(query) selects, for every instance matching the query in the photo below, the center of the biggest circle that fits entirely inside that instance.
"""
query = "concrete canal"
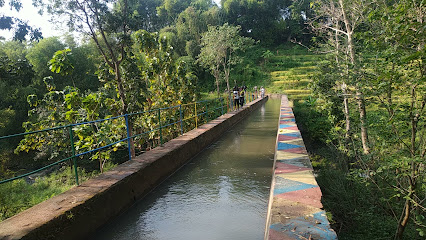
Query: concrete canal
(220, 194)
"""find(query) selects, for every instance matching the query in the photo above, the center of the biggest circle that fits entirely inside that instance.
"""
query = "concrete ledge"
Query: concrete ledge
(295, 209)
(77, 213)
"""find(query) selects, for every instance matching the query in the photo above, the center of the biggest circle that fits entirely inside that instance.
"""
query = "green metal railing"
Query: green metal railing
(199, 112)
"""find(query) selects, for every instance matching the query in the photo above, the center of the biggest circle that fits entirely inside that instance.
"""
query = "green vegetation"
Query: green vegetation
(356, 207)
(362, 100)
(366, 117)
(290, 71)
(18, 195)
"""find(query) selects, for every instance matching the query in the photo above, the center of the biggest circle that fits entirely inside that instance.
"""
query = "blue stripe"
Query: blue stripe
(286, 125)
(285, 146)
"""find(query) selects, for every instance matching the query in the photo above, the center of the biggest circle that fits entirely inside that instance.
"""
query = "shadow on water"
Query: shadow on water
(221, 194)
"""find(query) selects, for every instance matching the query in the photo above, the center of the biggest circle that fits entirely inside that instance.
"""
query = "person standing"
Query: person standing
(262, 92)
(242, 96)
(236, 96)
(255, 92)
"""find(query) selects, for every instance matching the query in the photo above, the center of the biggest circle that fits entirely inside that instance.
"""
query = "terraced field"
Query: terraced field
(290, 70)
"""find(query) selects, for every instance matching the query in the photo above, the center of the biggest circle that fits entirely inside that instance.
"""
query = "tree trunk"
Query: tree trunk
(343, 86)
(227, 79)
(359, 95)
(216, 76)
(403, 221)
(389, 93)
(346, 111)
(363, 117)
(124, 109)
(217, 86)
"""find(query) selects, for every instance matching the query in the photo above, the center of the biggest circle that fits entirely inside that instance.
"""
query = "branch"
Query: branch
(92, 32)
(124, 31)
(101, 30)
(300, 43)
(337, 30)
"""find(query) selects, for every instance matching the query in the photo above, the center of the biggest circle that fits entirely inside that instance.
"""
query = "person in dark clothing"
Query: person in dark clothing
(242, 96)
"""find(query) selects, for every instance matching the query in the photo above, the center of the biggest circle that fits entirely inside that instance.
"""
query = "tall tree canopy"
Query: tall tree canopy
(273, 21)
(220, 46)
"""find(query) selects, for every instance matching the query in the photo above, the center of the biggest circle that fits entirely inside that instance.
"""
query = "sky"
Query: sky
(30, 14)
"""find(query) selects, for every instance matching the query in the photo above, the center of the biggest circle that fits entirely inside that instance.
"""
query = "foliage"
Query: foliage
(60, 62)
(148, 71)
(40, 54)
(74, 67)
(357, 208)
(160, 73)
(145, 15)
(377, 53)
(15, 85)
(401, 75)
(271, 22)
(249, 71)
(60, 108)
(220, 48)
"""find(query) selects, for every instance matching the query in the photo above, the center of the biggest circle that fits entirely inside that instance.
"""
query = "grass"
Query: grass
(19, 195)
(290, 71)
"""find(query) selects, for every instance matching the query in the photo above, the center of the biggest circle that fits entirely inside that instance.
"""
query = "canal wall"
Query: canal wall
(295, 209)
(78, 212)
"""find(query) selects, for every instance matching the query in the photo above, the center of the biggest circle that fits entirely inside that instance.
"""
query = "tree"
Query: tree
(76, 66)
(273, 21)
(166, 82)
(108, 28)
(170, 9)
(396, 36)
(149, 70)
(161, 73)
(16, 82)
(68, 106)
(339, 20)
(15, 85)
(219, 48)
(378, 53)
(190, 26)
(146, 16)
(39, 56)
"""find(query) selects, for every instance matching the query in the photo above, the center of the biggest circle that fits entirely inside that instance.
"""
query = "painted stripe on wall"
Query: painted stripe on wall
(295, 209)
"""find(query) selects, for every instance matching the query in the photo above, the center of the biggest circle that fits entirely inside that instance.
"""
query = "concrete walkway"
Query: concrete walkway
(295, 209)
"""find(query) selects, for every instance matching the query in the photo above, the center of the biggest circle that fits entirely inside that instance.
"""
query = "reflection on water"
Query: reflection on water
(220, 194)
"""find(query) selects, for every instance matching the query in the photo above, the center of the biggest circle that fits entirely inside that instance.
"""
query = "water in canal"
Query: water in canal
(221, 194)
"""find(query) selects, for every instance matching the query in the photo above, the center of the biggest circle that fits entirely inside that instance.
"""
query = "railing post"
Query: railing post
(227, 104)
(207, 112)
(73, 153)
(126, 117)
(181, 124)
(161, 129)
(196, 116)
(221, 105)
